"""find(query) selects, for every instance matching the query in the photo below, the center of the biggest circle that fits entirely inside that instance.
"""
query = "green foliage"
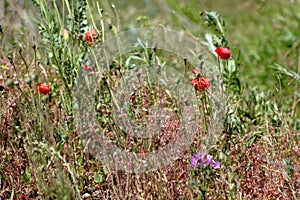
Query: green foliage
(43, 157)
(77, 21)
(98, 178)
(214, 20)
(68, 51)
(287, 72)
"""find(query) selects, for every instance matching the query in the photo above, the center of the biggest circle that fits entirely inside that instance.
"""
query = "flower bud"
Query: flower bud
(28, 81)
(10, 83)
(223, 53)
(16, 83)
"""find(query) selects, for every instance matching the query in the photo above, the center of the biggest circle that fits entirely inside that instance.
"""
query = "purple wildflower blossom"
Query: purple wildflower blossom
(194, 160)
(206, 159)
(203, 161)
(216, 165)
(209, 159)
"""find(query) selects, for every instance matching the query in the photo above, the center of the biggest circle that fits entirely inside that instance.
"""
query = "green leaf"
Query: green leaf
(59, 146)
(26, 177)
(98, 178)
(251, 141)
(79, 160)
(127, 63)
(231, 66)
(4, 67)
(105, 171)
(287, 72)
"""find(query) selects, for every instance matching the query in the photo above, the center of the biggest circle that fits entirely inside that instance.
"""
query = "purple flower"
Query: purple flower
(206, 159)
(209, 159)
(203, 161)
(194, 160)
(216, 165)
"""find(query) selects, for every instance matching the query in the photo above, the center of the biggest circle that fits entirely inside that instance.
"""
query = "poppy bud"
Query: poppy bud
(28, 81)
(223, 53)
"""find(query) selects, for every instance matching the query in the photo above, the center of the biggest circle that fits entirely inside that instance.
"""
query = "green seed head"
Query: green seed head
(28, 81)
(10, 83)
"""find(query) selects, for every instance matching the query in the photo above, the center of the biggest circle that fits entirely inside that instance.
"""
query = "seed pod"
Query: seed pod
(16, 83)
(28, 81)
(34, 77)
(10, 83)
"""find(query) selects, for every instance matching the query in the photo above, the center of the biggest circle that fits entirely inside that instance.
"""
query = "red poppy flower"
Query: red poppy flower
(223, 53)
(195, 81)
(90, 36)
(201, 84)
(43, 88)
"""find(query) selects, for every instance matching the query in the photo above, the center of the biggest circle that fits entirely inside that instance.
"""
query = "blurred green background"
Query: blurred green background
(264, 31)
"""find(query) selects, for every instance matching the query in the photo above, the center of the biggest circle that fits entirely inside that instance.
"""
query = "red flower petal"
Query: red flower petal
(201, 83)
(90, 36)
(196, 71)
(86, 67)
(195, 81)
(223, 53)
(43, 88)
